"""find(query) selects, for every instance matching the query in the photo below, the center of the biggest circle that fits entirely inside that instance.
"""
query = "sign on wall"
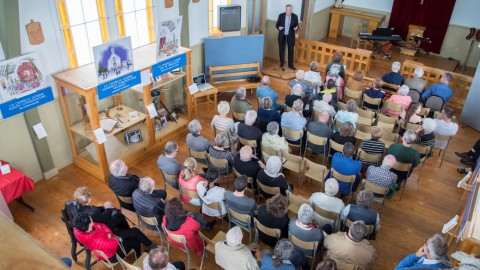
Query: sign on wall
(22, 85)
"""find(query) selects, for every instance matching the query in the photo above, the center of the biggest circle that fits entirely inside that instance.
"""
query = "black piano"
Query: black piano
(377, 38)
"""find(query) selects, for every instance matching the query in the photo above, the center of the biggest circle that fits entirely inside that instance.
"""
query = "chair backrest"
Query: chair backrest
(170, 179)
(342, 177)
(288, 109)
(152, 221)
(292, 160)
(197, 154)
(375, 188)
(396, 107)
(372, 101)
(386, 127)
(124, 199)
(266, 230)
(410, 126)
(372, 158)
(402, 167)
(370, 228)
(219, 163)
(251, 143)
(390, 137)
(424, 112)
(387, 119)
(303, 244)
(294, 134)
(366, 113)
(245, 218)
(357, 28)
(190, 193)
(125, 265)
(424, 150)
(435, 103)
(414, 94)
(336, 146)
(175, 237)
(325, 213)
(267, 152)
(440, 137)
(345, 266)
(239, 116)
(363, 132)
(315, 170)
(317, 140)
(364, 121)
(439, 115)
(269, 190)
(355, 95)
(295, 201)
(217, 206)
(104, 258)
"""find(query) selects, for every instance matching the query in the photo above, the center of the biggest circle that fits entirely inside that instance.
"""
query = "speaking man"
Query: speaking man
(287, 24)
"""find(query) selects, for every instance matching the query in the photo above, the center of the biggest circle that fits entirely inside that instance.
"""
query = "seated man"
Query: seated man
(441, 89)
(247, 164)
(106, 214)
(362, 210)
(166, 162)
(237, 200)
(375, 92)
(195, 141)
(300, 79)
(232, 254)
(327, 201)
(297, 94)
(382, 176)
(121, 182)
(319, 128)
(345, 164)
(158, 259)
(351, 247)
(239, 102)
(445, 126)
(432, 254)
(417, 83)
(248, 131)
(265, 90)
(324, 104)
(405, 154)
(294, 120)
(147, 203)
(394, 77)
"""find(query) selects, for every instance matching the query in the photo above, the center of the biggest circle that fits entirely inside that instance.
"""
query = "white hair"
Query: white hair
(327, 97)
(396, 66)
(117, 167)
(250, 117)
(234, 236)
(223, 107)
(298, 105)
(305, 214)
(403, 90)
(272, 128)
(300, 75)
(194, 126)
(429, 125)
(418, 72)
(331, 187)
(146, 184)
(246, 152)
(410, 136)
(274, 164)
(240, 93)
(297, 89)
(389, 161)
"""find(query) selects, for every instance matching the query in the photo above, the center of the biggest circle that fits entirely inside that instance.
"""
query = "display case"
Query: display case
(131, 133)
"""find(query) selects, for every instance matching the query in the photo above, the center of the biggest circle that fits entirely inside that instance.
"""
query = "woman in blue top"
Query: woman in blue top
(431, 255)
(375, 92)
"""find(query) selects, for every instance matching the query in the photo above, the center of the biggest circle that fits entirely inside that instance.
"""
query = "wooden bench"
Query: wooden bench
(367, 81)
(230, 77)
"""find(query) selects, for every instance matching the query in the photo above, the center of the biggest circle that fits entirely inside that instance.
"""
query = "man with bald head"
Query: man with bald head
(319, 128)
(246, 163)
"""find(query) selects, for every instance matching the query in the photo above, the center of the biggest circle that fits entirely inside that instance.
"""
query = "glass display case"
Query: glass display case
(131, 133)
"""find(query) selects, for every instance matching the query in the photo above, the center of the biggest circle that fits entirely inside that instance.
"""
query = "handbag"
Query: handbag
(391, 191)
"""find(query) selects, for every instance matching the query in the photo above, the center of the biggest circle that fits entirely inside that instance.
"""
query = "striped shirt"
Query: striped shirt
(372, 146)
(218, 154)
(225, 124)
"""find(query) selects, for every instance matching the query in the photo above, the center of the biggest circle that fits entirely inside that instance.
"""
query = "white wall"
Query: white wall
(465, 13)
(380, 5)
(198, 22)
(275, 7)
(163, 13)
(242, 3)
(322, 4)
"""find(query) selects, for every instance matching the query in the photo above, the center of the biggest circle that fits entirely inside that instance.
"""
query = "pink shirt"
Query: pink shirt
(190, 184)
(398, 99)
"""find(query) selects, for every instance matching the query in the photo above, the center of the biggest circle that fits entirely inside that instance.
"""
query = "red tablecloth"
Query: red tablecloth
(14, 184)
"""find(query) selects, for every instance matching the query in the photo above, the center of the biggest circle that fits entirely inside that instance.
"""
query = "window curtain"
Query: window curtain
(432, 14)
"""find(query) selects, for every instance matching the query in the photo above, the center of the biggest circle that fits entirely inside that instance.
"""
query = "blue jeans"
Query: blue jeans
(198, 219)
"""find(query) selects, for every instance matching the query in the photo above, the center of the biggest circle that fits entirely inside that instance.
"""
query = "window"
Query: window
(84, 25)
(213, 13)
(135, 19)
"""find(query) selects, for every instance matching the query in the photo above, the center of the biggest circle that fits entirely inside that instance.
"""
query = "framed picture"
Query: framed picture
(113, 59)
(133, 136)
(168, 37)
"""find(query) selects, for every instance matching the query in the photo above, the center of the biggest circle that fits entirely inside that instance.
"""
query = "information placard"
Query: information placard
(118, 85)
(25, 103)
(168, 65)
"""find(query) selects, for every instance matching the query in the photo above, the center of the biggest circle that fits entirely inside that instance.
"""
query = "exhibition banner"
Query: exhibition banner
(25, 103)
(168, 38)
(113, 59)
(168, 65)
(118, 85)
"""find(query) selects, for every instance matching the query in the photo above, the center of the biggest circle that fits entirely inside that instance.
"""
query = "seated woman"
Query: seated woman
(345, 134)
(401, 98)
(355, 83)
(178, 221)
(300, 79)
(266, 114)
(375, 92)
(97, 236)
(284, 257)
(274, 215)
(297, 94)
(272, 177)
(219, 151)
(411, 116)
(304, 229)
(210, 192)
(272, 140)
(362, 210)
(188, 179)
(222, 122)
(374, 145)
(350, 115)
(425, 135)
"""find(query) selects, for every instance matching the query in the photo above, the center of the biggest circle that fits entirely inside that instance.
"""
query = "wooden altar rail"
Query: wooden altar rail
(460, 83)
(307, 51)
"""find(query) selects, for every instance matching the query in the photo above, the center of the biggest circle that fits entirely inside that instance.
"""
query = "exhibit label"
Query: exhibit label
(25, 103)
(118, 85)
(168, 65)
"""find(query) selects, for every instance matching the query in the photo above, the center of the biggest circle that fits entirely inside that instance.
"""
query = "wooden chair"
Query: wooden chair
(439, 115)
(295, 135)
(370, 228)
(367, 116)
(272, 191)
(345, 266)
(395, 107)
(382, 118)
(266, 230)
(267, 152)
(251, 143)
(349, 179)
(350, 94)
(244, 221)
(310, 246)
(423, 150)
(222, 164)
(199, 156)
(192, 194)
(180, 239)
(386, 127)
(218, 206)
(169, 179)
(424, 112)
(410, 126)
(376, 190)
(210, 243)
(368, 158)
(363, 132)
(314, 171)
(293, 163)
(447, 139)
(327, 215)
(288, 109)
(389, 138)
(240, 117)
(403, 168)
(373, 101)
(126, 200)
(137, 265)
(335, 146)
(295, 201)
(104, 259)
(357, 28)
(153, 222)
(317, 141)
(341, 105)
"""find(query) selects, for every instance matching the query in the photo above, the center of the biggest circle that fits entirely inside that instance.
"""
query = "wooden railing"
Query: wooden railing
(460, 83)
(307, 51)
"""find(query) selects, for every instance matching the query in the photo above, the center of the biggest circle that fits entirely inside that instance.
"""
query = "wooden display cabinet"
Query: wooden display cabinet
(78, 97)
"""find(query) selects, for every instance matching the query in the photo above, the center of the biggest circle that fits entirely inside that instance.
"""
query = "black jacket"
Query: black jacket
(281, 23)
(124, 186)
(149, 205)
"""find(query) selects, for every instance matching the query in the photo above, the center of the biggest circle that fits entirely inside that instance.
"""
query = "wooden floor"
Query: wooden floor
(425, 207)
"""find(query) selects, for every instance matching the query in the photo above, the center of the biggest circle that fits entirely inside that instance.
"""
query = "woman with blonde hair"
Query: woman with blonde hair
(188, 179)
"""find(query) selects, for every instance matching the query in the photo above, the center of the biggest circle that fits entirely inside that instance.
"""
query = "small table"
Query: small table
(210, 98)
(14, 184)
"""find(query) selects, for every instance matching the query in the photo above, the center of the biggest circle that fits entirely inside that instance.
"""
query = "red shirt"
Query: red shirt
(190, 229)
(190, 184)
(98, 239)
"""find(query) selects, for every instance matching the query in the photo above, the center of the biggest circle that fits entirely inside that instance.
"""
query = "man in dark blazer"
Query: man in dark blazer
(287, 24)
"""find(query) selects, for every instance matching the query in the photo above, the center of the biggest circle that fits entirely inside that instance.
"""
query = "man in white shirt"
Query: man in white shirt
(327, 201)
(445, 126)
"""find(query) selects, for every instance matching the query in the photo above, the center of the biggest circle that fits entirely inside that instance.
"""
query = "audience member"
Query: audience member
(445, 126)
(346, 134)
(416, 82)
(297, 94)
(272, 177)
(319, 128)
(355, 83)
(346, 165)
(401, 98)
(469, 158)
(425, 135)
(314, 76)
(432, 254)
(303, 228)
(248, 131)
(381, 175)
(441, 89)
(373, 145)
(158, 259)
(121, 182)
(239, 102)
(362, 210)
(272, 140)
(166, 162)
(266, 114)
(247, 164)
(412, 116)
(294, 120)
(106, 214)
(149, 203)
(405, 154)
(375, 92)
(300, 79)
(337, 63)
(351, 247)
(324, 105)
(265, 90)
(328, 202)
(222, 122)
(273, 215)
(188, 180)
(350, 115)
(195, 141)
(284, 257)
(327, 264)
(231, 254)
(218, 151)
(237, 200)
(210, 192)
(394, 77)
(97, 236)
